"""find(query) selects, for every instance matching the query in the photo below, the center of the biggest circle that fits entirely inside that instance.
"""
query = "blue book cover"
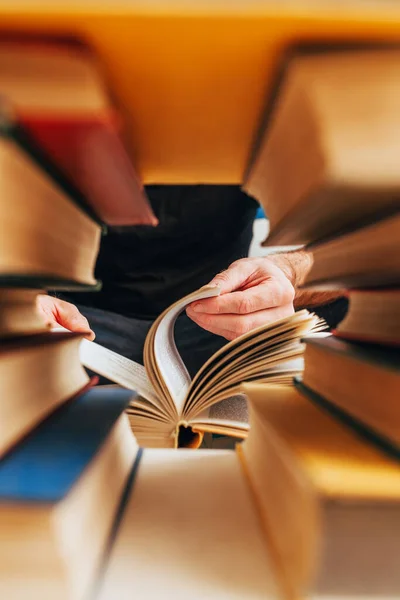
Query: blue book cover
(47, 463)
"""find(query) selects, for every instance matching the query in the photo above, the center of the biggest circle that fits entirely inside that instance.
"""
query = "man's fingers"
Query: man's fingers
(45, 306)
(234, 277)
(270, 294)
(59, 312)
(69, 317)
(236, 325)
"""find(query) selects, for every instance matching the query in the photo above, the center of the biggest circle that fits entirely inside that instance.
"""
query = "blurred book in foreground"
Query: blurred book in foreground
(59, 94)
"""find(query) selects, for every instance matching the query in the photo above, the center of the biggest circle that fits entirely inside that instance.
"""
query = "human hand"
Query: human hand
(254, 291)
(58, 312)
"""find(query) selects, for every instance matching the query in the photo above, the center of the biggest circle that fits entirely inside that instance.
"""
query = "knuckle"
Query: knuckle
(221, 277)
(245, 306)
(214, 306)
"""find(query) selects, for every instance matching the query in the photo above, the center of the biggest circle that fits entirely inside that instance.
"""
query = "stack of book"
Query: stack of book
(303, 508)
(310, 501)
(70, 484)
(335, 129)
(66, 448)
(309, 504)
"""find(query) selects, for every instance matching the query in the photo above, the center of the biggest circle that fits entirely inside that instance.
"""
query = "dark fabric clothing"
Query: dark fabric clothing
(202, 230)
(126, 335)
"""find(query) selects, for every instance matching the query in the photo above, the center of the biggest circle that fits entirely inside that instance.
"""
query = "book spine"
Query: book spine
(364, 432)
(44, 282)
(365, 339)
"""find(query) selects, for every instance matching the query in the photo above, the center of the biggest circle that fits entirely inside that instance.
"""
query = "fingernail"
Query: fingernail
(197, 307)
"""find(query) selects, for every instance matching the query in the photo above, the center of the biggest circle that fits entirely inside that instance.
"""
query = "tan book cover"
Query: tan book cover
(38, 373)
(328, 157)
(329, 500)
(368, 256)
(363, 380)
(189, 530)
(373, 316)
(302, 509)
(45, 234)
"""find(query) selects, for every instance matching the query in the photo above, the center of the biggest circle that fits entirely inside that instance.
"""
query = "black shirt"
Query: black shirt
(202, 230)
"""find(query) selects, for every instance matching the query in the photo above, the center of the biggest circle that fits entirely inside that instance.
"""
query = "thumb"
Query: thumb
(235, 276)
(59, 312)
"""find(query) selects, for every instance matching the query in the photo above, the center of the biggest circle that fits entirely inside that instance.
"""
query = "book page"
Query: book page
(115, 367)
(232, 409)
(277, 335)
(169, 363)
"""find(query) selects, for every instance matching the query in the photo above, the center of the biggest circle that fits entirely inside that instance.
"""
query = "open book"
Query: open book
(173, 410)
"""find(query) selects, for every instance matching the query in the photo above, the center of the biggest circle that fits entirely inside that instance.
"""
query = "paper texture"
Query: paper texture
(117, 368)
(169, 362)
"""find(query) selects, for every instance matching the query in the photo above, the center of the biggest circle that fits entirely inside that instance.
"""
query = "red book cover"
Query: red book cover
(58, 92)
(91, 153)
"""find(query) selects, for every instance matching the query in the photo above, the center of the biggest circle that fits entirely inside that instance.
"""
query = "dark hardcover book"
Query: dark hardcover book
(50, 460)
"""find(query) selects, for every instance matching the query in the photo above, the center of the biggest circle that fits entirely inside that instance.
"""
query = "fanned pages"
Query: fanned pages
(172, 410)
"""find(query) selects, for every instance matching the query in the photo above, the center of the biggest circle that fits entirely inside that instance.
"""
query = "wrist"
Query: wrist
(295, 265)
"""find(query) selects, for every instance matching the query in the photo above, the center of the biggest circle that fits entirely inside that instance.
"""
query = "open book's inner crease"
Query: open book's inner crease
(172, 372)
